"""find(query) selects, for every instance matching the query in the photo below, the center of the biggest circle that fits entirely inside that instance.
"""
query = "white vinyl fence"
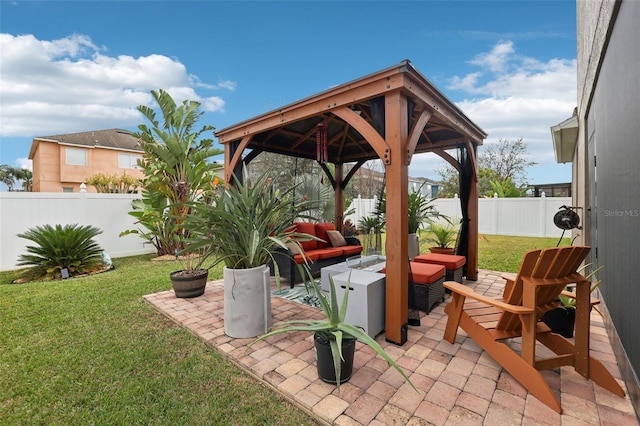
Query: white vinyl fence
(528, 217)
(20, 211)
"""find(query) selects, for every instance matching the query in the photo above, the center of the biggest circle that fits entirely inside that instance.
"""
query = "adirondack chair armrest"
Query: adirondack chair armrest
(572, 295)
(465, 291)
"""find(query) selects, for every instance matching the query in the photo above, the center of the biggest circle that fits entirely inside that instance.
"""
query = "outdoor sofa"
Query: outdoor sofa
(332, 248)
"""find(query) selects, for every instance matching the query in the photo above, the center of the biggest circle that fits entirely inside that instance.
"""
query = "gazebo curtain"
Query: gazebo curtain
(466, 177)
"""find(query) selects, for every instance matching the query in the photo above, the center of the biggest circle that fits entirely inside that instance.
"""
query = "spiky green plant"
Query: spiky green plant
(69, 247)
(333, 329)
(246, 223)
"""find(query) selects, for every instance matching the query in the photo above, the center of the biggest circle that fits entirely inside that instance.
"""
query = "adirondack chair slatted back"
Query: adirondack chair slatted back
(551, 269)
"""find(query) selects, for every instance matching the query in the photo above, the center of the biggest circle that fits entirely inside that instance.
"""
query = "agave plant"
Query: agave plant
(334, 329)
(246, 223)
(68, 247)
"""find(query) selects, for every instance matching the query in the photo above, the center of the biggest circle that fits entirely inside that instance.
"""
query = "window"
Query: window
(67, 189)
(128, 161)
(76, 157)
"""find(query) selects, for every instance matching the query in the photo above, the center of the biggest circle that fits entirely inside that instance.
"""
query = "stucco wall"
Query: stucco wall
(51, 172)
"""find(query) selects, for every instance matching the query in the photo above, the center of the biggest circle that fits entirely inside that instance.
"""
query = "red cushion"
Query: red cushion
(321, 232)
(310, 258)
(425, 273)
(351, 250)
(328, 253)
(449, 261)
(307, 228)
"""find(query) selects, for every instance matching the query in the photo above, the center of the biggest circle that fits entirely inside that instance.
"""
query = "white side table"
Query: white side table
(366, 301)
(331, 270)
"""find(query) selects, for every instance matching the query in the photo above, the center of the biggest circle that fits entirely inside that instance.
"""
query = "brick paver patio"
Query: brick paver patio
(458, 384)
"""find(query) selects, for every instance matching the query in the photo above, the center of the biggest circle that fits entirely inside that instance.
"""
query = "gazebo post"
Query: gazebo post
(397, 188)
(338, 195)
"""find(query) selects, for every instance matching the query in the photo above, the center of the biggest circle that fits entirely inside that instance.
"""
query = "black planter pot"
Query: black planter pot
(324, 360)
(189, 285)
(561, 321)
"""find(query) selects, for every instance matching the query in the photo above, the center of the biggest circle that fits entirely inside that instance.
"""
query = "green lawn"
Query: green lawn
(90, 351)
(500, 253)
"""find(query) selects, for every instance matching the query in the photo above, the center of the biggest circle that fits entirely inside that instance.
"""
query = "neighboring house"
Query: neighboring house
(61, 163)
(369, 182)
(602, 140)
(552, 189)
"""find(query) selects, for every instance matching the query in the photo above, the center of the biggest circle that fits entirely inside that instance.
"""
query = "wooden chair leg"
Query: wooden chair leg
(598, 373)
(511, 361)
(454, 312)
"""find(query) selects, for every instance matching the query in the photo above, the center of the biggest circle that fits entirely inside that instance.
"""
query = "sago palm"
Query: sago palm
(69, 247)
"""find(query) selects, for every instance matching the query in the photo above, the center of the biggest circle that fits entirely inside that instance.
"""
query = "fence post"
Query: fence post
(542, 206)
(496, 212)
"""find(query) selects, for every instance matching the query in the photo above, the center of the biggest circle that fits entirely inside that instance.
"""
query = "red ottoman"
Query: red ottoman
(452, 263)
(426, 285)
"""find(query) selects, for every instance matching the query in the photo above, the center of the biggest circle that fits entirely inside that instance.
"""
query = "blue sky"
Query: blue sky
(85, 65)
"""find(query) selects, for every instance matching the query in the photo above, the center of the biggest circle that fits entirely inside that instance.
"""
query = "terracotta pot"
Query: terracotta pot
(442, 250)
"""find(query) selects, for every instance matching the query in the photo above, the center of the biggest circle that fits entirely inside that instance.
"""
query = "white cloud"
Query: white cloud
(24, 163)
(515, 96)
(68, 85)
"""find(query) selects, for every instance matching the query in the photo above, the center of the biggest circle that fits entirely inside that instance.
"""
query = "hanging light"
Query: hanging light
(322, 149)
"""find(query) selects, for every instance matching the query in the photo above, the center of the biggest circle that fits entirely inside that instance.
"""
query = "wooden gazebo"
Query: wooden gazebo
(391, 115)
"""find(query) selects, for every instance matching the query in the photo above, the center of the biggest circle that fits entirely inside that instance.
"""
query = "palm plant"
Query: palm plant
(60, 248)
(442, 234)
(176, 167)
(420, 209)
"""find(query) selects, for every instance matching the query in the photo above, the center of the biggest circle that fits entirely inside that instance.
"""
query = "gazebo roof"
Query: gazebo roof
(291, 129)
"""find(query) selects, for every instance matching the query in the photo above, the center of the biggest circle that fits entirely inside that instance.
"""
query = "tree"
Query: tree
(177, 170)
(6, 176)
(9, 175)
(505, 164)
(508, 159)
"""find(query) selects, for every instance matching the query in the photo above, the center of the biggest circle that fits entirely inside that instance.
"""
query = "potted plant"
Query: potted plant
(562, 319)
(191, 280)
(242, 226)
(177, 171)
(442, 235)
(334, 339)
(420, 209)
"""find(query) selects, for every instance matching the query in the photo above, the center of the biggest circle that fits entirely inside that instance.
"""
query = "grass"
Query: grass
(497, 252)
(504, 254)
(90, 351)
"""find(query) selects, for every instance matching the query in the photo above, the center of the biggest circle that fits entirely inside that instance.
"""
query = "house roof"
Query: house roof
(565, 138)
(118, 139)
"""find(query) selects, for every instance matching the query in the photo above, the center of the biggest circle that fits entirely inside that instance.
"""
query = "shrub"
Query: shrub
(113, 184)
(69, 247)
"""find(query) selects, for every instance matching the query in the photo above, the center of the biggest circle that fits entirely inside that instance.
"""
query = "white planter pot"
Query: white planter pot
(413, 246)
(247, 302)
